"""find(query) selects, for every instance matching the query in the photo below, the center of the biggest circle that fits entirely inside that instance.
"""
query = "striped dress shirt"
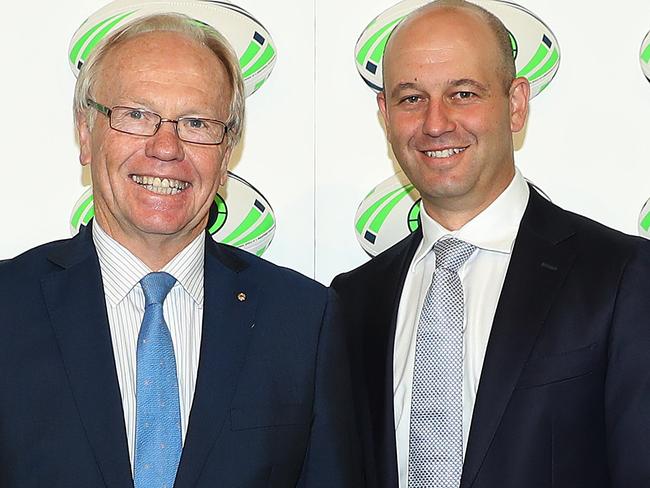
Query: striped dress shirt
(183, 311)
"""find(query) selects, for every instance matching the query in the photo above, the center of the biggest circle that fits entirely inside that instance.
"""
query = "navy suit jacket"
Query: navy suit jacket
(564, 395)
(272, 403)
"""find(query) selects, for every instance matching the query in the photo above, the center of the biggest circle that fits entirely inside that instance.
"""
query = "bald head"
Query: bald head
(442, 14)
(450, 106)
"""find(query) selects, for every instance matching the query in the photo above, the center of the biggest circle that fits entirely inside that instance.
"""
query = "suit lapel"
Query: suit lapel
(75, 301)
(228, 319)
(537, 269)
(378, 343)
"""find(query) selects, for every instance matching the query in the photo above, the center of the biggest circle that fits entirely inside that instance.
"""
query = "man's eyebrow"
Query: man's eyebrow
(469, 82)
(146, 104)
(134, 102)
(401, 87)
(462, 82)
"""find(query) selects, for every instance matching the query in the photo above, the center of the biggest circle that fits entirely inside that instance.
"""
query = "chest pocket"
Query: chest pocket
(553, 368)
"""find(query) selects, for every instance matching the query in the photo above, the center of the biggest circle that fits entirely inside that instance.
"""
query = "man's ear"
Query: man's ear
(224, 166)
(381, 103)
(519, 95)
(83, 134)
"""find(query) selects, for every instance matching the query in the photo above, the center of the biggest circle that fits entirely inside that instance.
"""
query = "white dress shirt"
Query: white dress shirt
(493, 233)
(182, 309)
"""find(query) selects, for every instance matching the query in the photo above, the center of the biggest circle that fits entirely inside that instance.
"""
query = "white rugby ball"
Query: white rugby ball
(644, 56)
(248, 37)
(240, 216)
(391, 211)
(535, 47)
(388, 214)
(644, 220)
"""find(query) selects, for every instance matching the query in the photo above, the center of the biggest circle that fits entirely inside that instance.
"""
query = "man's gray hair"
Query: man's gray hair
(172, 22)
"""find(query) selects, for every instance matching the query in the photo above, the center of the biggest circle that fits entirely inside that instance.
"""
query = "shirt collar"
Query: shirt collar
(494, 229)
(122, 270)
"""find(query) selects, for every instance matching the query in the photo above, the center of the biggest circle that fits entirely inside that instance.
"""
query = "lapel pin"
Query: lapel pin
(241, 296)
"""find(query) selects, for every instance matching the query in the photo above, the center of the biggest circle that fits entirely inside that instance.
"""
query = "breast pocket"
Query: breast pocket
(269, 416)
(562, 366)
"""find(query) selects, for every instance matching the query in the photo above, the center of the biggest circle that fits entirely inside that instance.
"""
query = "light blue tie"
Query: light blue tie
(436, 430)
(158, 417)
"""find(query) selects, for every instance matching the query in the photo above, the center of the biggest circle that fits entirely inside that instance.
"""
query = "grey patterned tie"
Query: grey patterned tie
(436, 429)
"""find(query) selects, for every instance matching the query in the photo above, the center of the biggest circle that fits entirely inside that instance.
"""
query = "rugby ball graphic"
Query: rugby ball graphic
(388, 214)
(391, 211)
(644, 56)
(248, 37)
(535, 47)
(644, 220)
(240, 216)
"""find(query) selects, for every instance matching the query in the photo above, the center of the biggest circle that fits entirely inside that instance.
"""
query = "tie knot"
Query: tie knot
(156, 286)
(451, 253)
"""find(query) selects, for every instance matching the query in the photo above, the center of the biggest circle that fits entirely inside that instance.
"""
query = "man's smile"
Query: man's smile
(445, 153)
(162, 186)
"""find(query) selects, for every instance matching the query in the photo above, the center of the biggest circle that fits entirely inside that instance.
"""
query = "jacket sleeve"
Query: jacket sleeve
(627, 401)
(333, 457)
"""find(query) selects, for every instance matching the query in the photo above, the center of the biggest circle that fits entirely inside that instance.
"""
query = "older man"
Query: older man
(506, 343)
(142, 353)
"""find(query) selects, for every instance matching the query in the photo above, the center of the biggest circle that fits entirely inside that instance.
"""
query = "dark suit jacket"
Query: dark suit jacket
(564, 395)
(272, 403)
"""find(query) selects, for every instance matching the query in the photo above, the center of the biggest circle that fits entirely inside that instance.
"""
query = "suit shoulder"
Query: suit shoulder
(381, 263)
(32, 261)
(605, 239)
(592, 239)
(20, 277)
(273, 274)
(600, 233)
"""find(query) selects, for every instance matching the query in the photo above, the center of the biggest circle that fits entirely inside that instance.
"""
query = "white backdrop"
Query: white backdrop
(314, 145)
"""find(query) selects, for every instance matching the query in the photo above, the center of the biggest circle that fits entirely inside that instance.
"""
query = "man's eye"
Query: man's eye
(411, 99)
(135, 114)
(463, 95)
(196, 124)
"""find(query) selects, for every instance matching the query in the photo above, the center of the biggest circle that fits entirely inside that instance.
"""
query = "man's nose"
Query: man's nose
(165, 144)
(438, 119)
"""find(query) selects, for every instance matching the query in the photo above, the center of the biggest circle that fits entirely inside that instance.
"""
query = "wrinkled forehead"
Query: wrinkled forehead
(164, 59)
(168, 50)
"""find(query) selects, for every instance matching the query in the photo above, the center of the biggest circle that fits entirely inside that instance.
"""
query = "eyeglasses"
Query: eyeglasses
(138, 122)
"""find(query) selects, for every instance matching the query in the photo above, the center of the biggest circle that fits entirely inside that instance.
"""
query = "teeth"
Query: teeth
(445, 153)
(164, 186)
